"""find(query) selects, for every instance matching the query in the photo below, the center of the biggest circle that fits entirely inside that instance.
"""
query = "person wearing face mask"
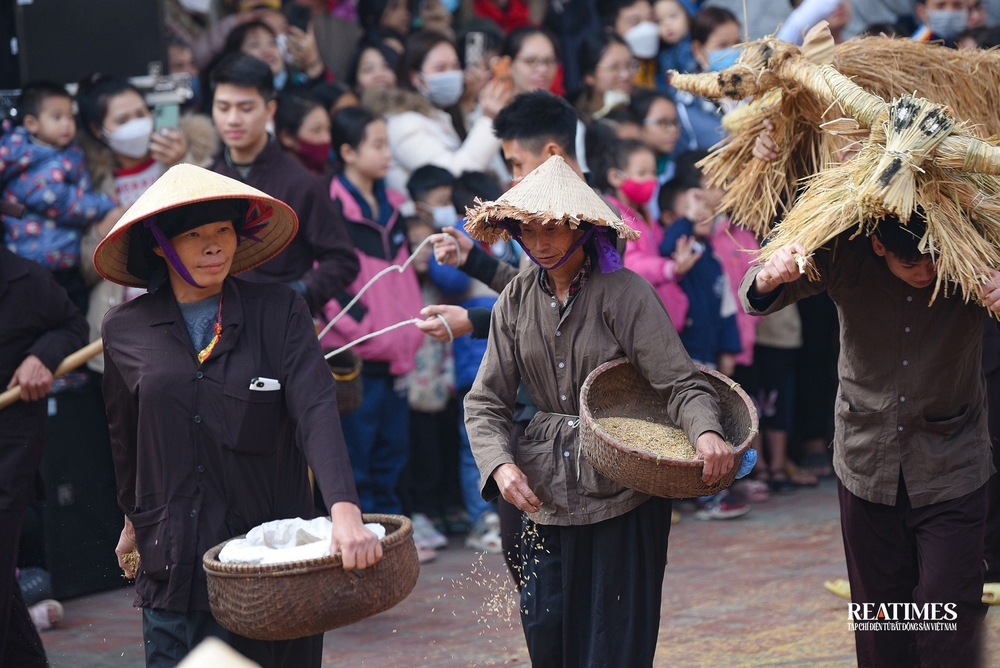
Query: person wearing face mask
(421, 129)
(941, 20)
(430, 187)
(125, 156)
(632, 20)
(715, 32)
(624, 172)
(302, 125)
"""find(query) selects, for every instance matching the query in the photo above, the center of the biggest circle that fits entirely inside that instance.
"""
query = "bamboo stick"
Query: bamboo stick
(74, 360)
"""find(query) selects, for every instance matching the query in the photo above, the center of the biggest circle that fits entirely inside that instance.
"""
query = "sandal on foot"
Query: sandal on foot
(780, 483)
(800, 477)
(841, 588)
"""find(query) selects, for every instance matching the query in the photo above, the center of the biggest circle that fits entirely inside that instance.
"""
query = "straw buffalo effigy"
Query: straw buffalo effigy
(914, 153)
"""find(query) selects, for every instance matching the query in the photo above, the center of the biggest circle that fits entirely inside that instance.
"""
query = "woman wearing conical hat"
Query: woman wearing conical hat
(217, 397)
(593, 551)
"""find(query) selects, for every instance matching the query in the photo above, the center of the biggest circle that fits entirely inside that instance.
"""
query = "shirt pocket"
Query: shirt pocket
(152, 539)
(253, 419)
(947, 426)
(535, 460)
(863, 436)
(595, 485)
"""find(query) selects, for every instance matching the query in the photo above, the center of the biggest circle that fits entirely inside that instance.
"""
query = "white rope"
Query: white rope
(451, 334)
(412, 321)
(374, 278)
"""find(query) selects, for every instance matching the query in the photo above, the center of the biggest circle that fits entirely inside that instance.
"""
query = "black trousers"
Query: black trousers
(170, 636)
(992, 550)
(932, 554)
(20, 646)
(590, 594)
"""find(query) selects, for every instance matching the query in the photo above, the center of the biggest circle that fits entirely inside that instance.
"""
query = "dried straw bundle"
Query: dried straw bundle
(895, 173)
(967, 82)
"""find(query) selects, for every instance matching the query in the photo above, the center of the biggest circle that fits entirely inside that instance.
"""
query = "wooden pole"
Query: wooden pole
(92, 349)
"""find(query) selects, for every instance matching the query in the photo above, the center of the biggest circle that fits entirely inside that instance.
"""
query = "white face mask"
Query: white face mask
(948, 23)
(197, 6)
(643, 39)
(444, 216)
(443, 88)
(132, 138)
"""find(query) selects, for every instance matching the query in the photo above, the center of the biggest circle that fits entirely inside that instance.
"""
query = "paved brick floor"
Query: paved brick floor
(746, 592)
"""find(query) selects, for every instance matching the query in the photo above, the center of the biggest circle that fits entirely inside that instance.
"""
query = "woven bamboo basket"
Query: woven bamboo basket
(346, 369)
(302, 598)
(615, 389)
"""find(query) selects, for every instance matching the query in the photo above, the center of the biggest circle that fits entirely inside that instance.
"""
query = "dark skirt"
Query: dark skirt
(590, 594)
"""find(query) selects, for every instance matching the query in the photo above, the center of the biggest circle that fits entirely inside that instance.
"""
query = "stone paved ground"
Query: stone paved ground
(746, 592)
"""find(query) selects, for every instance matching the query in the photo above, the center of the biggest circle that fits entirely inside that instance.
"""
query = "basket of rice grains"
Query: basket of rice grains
(625, 434)
(286, 600)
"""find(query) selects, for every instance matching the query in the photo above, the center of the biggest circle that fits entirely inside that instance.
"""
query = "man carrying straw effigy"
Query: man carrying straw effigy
(593, 551)
(905, 248)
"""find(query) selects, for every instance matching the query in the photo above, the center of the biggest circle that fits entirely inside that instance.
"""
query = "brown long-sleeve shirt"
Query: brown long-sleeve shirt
(614, 315)
(912, 395)
(199, 456)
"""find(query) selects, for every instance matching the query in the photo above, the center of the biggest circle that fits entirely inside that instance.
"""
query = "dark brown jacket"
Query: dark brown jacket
(912, 395)
(36, 318)
(199, 456)
(321, 254)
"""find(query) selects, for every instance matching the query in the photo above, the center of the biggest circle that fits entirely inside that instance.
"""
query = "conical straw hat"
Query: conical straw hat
(187, 184)
(551, 194)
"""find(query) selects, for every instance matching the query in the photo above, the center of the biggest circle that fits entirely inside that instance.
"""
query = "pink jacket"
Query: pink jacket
(391, 299)
(734, 247)
(643, 257)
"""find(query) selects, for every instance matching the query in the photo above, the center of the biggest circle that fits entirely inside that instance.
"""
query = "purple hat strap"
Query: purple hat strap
(257, 218)
(168, 250)
(608, 258)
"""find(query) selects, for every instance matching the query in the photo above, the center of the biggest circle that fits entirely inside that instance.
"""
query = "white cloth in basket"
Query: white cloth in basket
(283, 541)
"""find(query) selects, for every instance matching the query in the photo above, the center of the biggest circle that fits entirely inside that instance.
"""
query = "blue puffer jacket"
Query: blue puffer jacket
(54, 185)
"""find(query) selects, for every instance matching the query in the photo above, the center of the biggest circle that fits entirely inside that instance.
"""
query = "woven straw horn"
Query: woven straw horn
(868, 109)
(968, 154)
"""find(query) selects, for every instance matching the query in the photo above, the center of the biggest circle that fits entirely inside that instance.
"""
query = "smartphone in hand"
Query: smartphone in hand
(166, 116)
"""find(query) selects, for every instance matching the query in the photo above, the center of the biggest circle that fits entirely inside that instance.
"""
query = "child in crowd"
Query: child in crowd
(624, 171)
(377, 434)
(430, 187)
(432, 425)
(713, 333)
(459, 287)
(673, 17)
(43, 168)
(710, 334)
